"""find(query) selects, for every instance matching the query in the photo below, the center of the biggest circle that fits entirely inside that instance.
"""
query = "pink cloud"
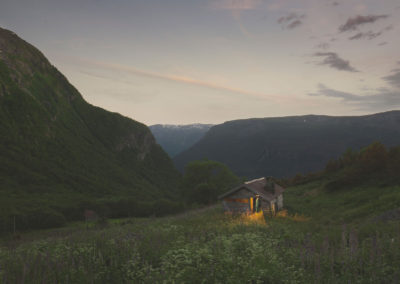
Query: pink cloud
(235, 5)
(179, 79)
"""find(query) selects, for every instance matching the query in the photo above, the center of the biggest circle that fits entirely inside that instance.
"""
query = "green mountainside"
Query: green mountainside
(176, 138)
(59, 154)
(285, 146)
(342, 234)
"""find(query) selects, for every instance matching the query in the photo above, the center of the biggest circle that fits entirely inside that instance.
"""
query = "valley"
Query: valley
(92, 196)
(175, 139)
(322, 237)
(285, 146)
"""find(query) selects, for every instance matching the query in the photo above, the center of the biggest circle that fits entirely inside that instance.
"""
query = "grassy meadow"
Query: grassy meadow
(323, 237)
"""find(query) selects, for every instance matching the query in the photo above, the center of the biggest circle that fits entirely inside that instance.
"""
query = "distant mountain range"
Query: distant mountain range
(57, 150)
(285, 146)
(176, 138)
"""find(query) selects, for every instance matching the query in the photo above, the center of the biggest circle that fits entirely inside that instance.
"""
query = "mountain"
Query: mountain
(285, 146)
(61, 154)
(176, 138)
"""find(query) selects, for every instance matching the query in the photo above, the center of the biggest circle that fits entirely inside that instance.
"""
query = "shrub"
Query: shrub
(204, 180)
(42, 218)
(373, 158)
(164, 207)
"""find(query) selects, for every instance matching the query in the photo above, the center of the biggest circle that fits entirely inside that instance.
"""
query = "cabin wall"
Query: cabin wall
(280, 202)
(265, 204)
(238, 202)
(242, 193)
(238, 207)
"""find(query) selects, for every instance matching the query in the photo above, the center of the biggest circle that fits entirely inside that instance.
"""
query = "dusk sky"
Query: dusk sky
(209, 61)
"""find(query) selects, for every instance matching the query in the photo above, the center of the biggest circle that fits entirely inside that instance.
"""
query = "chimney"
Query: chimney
(270, 185)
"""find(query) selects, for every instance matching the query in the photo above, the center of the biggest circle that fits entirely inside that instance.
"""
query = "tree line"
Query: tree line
(374, 163)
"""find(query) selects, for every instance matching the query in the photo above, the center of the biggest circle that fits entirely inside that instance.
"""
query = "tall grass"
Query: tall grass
(203, 247)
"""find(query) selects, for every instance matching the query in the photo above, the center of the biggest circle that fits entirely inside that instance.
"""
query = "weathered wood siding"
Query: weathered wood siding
(238, 207)
(236, 202)
(242, 193)
(264, 204)
(280, 202)
(239, 202)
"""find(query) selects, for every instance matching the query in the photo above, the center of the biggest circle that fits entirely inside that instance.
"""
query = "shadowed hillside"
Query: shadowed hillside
(285, 146)
(59, 154)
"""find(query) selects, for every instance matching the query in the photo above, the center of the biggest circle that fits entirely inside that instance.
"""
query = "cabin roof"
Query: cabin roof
(266, 188)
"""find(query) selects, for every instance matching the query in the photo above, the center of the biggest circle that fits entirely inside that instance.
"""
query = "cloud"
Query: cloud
(382, 43)
(294, 24)
(291, 21)
(383, 98)
(370, 34)
(127, 95)
(353, 23)
(335, 4)
(324, 91)
(333, 60)
(393, 79)
(235, 5)
(174, 78)
(323, 45)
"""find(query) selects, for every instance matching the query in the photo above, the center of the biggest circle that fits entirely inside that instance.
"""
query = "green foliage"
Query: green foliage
(205, 247)
(372, 164)
(348, 237)
(373, 158)
(42, 218)
(204, 180)
(60, 155)
(163, 207)
(284, 146)
(348, 157)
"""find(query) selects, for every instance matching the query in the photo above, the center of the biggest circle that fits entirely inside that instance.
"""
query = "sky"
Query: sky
(210, 61)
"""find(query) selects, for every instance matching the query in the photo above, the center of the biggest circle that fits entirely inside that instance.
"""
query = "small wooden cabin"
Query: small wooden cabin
(253, 196)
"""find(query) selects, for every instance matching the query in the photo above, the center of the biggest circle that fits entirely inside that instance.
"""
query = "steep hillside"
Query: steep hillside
(56, 150)
(349, 236)
(176, 138)
(356, 186)
(285, 146)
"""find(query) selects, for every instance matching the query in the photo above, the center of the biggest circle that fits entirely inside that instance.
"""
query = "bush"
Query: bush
(373, 158)
(164, 207)
(204, 180)
(42, 218)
